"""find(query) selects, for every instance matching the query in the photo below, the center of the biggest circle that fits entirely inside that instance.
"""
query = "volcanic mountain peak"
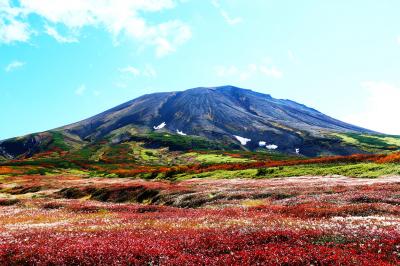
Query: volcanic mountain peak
(217, 113)
(226, 114)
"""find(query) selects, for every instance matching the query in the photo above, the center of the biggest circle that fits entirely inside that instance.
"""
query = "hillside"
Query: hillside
(220, 118)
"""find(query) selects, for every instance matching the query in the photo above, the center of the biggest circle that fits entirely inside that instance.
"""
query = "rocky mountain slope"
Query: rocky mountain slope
(229, 117)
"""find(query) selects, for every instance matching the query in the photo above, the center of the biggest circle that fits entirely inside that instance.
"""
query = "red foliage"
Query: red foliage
(5, 170)
(326, 223)
(391, 158)
(193, 247)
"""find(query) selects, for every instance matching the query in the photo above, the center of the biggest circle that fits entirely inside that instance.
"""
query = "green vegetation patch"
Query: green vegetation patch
(220, 174)
(372, 143)
(360, 170)
(177, 142)
(98, 154)
(149, 155)
(58, 141)
(214, 158)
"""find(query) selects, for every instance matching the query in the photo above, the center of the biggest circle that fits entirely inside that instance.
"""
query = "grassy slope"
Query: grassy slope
(140, 154)
(177, 142)
(213, 158)
(362, 170)
(371, 143)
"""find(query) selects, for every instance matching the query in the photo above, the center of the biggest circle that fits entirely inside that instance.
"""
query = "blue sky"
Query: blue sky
(63, 61)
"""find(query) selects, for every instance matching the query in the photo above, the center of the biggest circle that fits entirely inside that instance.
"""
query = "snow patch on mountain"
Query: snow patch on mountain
(269, 146)
(160, 126)
(242, 140)
(272, 147)
(181, 133)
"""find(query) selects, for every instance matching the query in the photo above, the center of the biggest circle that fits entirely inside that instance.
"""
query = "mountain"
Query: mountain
(228, 116)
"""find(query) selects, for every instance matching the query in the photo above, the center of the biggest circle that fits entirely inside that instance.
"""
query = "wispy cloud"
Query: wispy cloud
(131, 70)
(229, 19)
(380, 112)
(121, 85)
(292, 57)
(249, 71)
(223, 71)
(119, 18)
(58, 37)
(225, 15)
(80, 90)
(148, 71)
(14, 65)
(271, 72)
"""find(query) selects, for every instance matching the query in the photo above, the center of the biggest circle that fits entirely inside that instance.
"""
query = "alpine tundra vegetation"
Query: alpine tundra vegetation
(212, 132)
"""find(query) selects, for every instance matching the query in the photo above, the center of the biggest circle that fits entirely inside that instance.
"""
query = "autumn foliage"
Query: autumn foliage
(291, 221)
(392, 158)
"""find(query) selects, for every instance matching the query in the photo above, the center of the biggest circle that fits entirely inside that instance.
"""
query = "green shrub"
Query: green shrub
(264, 171)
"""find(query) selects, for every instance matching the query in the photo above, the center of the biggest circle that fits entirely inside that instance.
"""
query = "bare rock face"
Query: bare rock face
(27, 145)
(4, 155)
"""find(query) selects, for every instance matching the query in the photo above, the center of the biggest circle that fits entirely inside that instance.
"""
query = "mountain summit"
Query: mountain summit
(224, 114)
(217, 113)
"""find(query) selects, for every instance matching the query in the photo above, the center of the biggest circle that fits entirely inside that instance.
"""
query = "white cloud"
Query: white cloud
(118, 17)
(228, 19)
(292, 57)
(121, 85)
(14, 65)
(216, 3)
(80, 90)
(164, 46)
(398, 40)
(271, 72)
(381, 111)
(224, 71)
(57, 36)
(148, 71)
(13, 31)
(245, 73)
(131, 70)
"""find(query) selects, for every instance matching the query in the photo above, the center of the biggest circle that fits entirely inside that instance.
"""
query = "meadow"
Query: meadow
(217, 209)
